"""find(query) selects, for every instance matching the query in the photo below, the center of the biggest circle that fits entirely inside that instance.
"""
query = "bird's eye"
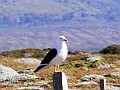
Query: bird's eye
(60, 38)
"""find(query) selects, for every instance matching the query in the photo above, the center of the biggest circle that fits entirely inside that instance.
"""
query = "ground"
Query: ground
(73, 73)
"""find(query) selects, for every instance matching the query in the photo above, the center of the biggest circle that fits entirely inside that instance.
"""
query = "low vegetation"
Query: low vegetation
(75, 64)
(29, 52)
(72, 67)
(112, 49)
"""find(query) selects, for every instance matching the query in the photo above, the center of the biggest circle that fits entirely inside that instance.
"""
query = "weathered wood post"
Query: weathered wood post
(59, 81)
(102, 84)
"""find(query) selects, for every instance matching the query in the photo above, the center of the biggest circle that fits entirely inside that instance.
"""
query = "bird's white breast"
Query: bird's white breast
(61, 56)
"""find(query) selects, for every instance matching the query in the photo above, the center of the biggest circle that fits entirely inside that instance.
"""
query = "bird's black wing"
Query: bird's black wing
(49, 56)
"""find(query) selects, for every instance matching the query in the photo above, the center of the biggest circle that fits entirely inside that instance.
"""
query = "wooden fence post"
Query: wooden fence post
(59, 81)
(102, 84)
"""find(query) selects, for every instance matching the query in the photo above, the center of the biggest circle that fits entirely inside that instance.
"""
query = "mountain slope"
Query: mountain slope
(40, 12)
(86, 39)
(89, 25)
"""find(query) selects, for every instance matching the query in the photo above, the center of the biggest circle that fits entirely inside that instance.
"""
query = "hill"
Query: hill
(89, 25)
(38, 13)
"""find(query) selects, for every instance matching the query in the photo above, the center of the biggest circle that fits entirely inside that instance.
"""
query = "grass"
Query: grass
(11, 62)
(31, 52)
(71, 67)
(113, 80)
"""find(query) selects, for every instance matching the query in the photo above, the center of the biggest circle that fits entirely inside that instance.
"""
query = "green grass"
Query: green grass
(75, 64)
(113, 80)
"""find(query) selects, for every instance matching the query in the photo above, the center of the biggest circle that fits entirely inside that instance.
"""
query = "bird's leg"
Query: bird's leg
(54, 68)
(58, 68)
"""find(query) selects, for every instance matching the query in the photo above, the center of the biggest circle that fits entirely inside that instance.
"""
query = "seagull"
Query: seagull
(55, 56)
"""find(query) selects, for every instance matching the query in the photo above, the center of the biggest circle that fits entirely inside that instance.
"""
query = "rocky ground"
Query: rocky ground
(26, 80)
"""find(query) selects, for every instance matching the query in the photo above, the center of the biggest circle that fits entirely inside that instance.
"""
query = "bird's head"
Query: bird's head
(62, 38)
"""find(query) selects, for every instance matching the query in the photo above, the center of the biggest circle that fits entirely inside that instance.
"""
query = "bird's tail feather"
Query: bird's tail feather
(42, 67)
(39, 67)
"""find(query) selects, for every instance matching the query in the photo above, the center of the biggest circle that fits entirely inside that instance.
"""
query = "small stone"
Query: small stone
(88, 83)
(112, 88)
(94, 58)
(91, 77)
(28, 60)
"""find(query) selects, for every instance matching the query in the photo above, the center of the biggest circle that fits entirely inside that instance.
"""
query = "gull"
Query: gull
(55, 56)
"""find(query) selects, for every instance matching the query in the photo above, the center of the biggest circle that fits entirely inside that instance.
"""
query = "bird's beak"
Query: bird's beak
(65, 40)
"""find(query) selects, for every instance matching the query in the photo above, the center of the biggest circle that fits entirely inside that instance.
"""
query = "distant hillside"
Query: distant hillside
(41, 12)
(87, 39)
(89, 25)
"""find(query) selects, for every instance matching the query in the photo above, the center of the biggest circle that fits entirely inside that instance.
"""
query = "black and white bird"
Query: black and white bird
(55, 56)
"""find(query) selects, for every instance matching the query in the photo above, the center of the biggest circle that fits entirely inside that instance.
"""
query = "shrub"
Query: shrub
(112, 49)
(29, 52)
